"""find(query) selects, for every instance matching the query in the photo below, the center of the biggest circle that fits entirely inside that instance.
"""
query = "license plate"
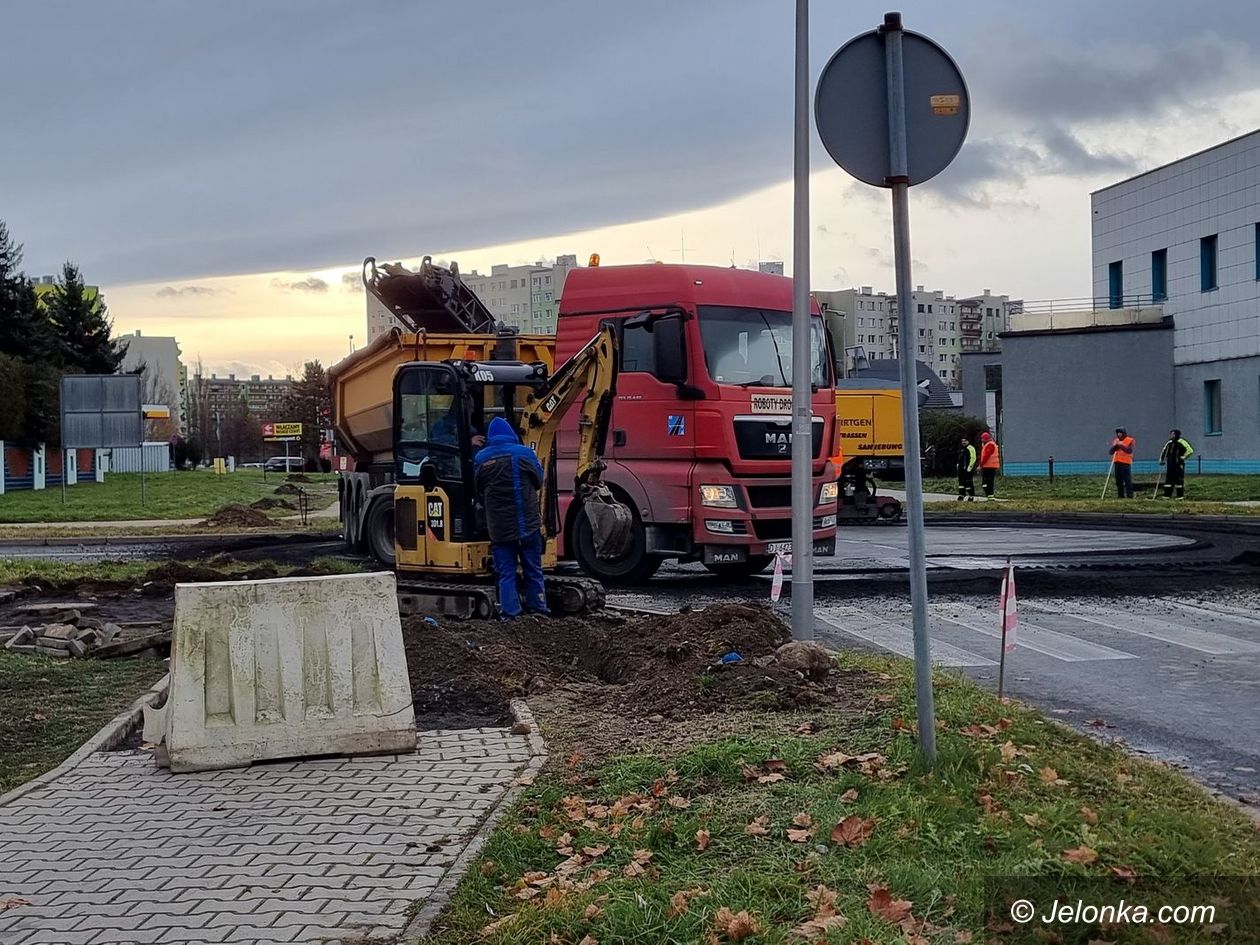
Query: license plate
(779, 548)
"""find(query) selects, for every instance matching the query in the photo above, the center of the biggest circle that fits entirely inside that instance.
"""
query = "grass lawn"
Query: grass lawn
(834, 833)
(49, 707)
(1089, 488)
(167, 495)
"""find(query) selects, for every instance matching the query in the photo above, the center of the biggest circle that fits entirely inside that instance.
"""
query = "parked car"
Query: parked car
(251, 465)
(285, 464)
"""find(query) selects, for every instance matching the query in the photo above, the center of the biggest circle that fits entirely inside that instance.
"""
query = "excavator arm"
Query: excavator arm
(591, 376)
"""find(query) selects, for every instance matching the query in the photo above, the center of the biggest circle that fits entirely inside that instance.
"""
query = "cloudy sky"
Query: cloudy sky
(219, 167)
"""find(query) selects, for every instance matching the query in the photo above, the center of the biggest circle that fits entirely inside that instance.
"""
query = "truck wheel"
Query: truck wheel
(379, 528)
(634, 567)
(349, 520)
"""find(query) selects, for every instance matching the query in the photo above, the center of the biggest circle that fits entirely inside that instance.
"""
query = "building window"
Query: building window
(920, 306)
(929, 309)
(1159, 274)
(1115, 284)
(1212, 407)
(1207, 263)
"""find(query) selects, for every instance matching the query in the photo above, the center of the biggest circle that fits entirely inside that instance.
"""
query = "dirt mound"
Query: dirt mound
(287, 489)
(238, 515)
(269, 503)
(673, 666)
(297, 477)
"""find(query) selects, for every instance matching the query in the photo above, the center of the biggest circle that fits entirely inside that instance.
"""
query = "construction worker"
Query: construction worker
(967, 471)
(1174, 455)
(990, 463)
(509, 476)
(1122, 460)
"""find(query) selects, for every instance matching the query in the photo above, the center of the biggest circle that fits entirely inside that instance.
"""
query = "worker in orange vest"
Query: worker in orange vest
(990, 463)
(1122, 458)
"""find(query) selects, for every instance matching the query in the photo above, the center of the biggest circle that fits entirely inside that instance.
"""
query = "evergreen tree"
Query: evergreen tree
(310, 404)
(81, 326)
(24, 330)
(13, 397)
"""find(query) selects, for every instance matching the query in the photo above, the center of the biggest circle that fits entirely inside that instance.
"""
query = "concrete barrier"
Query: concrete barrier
(285, 668)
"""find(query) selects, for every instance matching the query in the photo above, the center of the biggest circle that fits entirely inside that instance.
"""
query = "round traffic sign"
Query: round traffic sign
(851, 108)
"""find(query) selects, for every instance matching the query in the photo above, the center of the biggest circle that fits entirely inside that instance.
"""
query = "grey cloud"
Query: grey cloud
(170, 291)
(309, 284)
(352, 281)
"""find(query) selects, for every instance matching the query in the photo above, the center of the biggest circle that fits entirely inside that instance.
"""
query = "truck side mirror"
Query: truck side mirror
(667, 343)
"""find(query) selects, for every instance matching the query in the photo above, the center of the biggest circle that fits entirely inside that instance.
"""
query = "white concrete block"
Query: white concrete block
(287, 668)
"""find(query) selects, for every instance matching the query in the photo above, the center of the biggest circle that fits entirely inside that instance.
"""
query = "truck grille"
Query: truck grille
(770, 437)
(770, 497)
(777, 529)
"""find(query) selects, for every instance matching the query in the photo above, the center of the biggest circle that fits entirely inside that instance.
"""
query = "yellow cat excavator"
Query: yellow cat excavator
(440, 410)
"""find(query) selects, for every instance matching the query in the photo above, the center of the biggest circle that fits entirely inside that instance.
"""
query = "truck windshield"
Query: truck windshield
(752, 347)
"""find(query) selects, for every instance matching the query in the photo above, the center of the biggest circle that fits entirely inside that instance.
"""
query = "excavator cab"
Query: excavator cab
(441, 410)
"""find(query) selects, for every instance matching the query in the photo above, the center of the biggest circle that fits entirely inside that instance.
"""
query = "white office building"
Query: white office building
(1186, 236)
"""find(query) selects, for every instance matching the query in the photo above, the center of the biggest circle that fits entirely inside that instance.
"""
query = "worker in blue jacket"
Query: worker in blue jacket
(509, 476)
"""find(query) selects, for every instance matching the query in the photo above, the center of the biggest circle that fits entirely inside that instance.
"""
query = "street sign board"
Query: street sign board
(101, 411)
(282, 439)
(281, 430)
(852, 95)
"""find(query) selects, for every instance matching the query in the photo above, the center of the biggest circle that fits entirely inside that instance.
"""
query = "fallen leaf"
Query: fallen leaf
(771, 778)
(589, 940)
(736, 926)
(1009, 752)
(632, 870)
(809, 728)
(638, 823)
(849, 796)
(749, 772)
(1089, 815)
(596, 851)
(802, 820)
(678, 905)
(901, 725)
(574, 759)
(1082, 854)
(800, 836)
(593, 911)
(978, 731)
(1124, 872)
(774, 764)
(488, 930)
(853, 831)
(679, 802)
(1032, 820)
(488, 867)
(823, 899)
(1050, 776)
(598, 811)
(659, 788)
(882, 904)
(702, 840)
(818, 926)
(963, 938)
(671, 776)
(555, 896)
(13, 902)
(835, 759)
(547, 831)
(40, 717)
(759, 827)
(1004, 724)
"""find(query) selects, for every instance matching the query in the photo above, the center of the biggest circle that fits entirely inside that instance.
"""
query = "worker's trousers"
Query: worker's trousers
(967, 484)
(1175, 478)
(1124, 480)
(988, 476)
(528, 552)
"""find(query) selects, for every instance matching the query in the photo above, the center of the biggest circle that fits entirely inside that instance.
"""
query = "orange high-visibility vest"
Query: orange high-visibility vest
(1121, 456)
(990, 455)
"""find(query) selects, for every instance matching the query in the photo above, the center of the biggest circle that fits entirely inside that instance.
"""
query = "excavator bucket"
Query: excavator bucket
(610, 521)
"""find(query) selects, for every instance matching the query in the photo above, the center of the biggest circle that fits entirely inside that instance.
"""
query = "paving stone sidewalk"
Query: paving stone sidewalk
(119, 851)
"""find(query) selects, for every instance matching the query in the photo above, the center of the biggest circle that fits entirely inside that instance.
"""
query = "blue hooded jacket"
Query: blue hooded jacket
(508, 475)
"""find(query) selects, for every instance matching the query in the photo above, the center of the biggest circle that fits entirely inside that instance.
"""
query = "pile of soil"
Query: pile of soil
(287, 489)
(297, 477)
(652, 668)
(269, 503)
(238, 515)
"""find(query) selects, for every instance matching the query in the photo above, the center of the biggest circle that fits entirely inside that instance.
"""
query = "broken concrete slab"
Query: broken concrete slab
(56, 608)
(24, 637)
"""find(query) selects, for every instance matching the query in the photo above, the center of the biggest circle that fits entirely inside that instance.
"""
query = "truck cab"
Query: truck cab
(699, 445)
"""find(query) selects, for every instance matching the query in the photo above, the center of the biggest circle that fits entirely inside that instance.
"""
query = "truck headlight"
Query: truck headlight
(830, 493)
(719, 497)
(723, 526)
(827, 521)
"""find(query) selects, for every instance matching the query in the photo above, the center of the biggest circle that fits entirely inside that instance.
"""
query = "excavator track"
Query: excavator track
(565, 596)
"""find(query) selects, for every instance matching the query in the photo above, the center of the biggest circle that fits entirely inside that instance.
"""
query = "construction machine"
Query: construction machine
(868, 417)
(426, 518)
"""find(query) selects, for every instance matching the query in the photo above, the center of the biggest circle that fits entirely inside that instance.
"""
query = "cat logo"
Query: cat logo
(435, 515)
(551, 403)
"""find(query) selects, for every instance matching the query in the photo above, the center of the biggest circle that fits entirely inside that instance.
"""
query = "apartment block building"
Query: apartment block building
(945, 325)
(526, 298)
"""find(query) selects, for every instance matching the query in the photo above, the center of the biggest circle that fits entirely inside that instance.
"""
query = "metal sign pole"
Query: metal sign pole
(899, 181)
(802, 391)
